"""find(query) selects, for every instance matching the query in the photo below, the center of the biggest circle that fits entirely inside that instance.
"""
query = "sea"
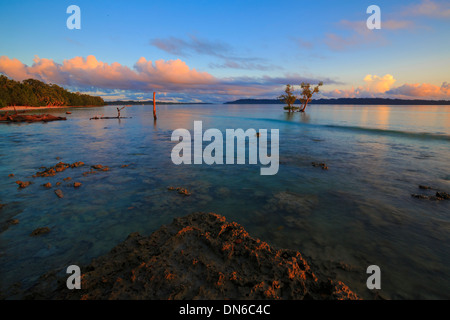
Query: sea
(358, 213)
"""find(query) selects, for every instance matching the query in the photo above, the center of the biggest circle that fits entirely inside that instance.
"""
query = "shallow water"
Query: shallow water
(358, 213)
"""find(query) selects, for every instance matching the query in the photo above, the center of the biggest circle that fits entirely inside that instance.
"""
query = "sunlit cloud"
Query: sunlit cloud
(374, 86)
(382, 87)
(169, 77)
(89, 72)
(422, 90)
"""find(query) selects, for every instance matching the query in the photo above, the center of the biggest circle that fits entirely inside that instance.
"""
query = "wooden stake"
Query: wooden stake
(154, 106)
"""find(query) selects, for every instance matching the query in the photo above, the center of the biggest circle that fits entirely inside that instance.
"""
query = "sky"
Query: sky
(217, 51)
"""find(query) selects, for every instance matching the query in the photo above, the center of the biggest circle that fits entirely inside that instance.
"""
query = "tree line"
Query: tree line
(35, 93)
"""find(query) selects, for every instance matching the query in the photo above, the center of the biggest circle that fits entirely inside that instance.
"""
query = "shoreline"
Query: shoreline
(28, 108)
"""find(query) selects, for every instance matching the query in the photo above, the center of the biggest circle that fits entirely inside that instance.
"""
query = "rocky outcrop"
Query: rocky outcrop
(200, 256)
(30, 118)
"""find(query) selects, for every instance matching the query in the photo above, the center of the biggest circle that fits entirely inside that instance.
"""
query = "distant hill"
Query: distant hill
(133, 102)
(366, 101)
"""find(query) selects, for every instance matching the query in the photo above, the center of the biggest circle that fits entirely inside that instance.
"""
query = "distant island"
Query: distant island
(35, 93)
(134, 102)
(365, 101)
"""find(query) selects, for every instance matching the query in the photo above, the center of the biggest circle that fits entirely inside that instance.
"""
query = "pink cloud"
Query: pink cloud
(422, 90)
(79, 71)
(382, 87)
(173, 77)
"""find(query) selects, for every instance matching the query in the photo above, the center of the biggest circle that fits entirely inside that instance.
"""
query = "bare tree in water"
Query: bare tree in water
(118, 112)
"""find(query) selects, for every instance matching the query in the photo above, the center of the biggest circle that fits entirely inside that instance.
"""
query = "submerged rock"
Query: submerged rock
(13, 221)
(437, 197)
(23, 184)
(180, 190)
(425, 187)
(40, 231)
(443, 195)
(47, 185)
(77, 164)
(320, 164)
(59, 193)
(59, 167)
(199, 256)
(100, 167)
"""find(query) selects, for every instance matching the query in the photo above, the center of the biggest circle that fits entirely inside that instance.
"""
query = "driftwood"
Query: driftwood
(29, 118)
(118, 116)
(98, 118)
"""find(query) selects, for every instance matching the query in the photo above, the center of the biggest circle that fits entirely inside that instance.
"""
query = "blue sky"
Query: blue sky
(230, 49)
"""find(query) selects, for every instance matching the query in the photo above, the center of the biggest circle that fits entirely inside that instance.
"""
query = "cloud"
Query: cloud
(422, 90)
(185, 48)
(220, 50)
(429, 8)
(356, 33)
(243, 65)
(378, 87)
(89, 72)
(374, 86)
(171, 77)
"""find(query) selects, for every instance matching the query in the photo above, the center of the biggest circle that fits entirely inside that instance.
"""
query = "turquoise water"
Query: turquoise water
(358, 213)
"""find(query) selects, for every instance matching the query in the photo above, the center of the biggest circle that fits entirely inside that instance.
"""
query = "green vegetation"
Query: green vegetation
(305, 97)
(307, 93)
(36, 93)
(289, 98)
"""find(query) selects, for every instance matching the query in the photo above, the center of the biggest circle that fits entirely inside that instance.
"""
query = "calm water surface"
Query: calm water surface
(358, 213)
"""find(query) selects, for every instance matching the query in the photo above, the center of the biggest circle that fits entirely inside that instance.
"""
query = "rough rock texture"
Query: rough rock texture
(30, 118)
(200, 256)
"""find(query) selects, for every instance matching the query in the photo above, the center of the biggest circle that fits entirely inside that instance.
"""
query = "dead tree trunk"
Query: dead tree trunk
(118, 112)
(154, 106)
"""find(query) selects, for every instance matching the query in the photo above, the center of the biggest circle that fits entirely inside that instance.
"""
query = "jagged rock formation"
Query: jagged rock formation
(199, 256)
